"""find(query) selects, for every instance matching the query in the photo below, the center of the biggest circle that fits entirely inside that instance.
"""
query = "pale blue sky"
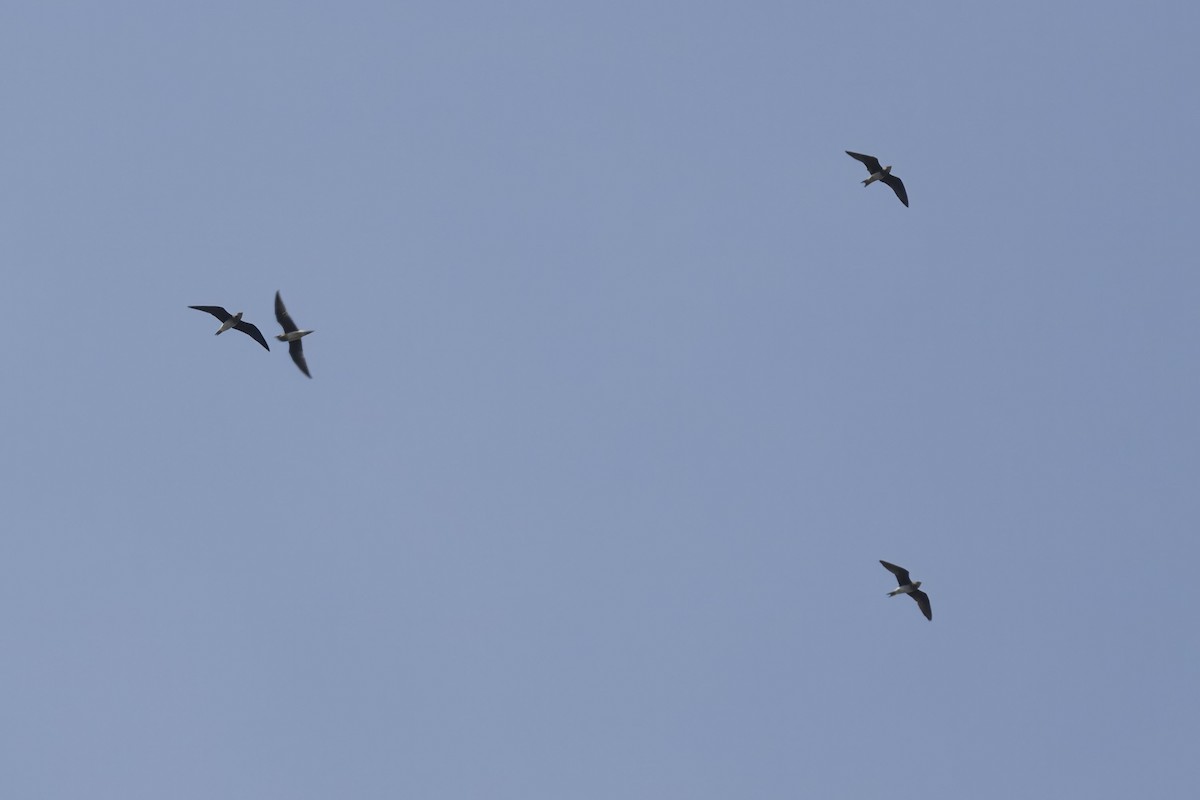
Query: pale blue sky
(622, 387)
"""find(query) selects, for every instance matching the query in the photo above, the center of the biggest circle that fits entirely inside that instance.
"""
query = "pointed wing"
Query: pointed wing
(900, 572)
(216, 311)
(297, 351)
(284, 318)
(872, 162)
(923, 601)
(253, 332)
(897, 187)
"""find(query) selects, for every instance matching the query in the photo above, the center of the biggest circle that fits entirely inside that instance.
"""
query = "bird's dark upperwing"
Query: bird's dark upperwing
(284, 318)
(897, 187)
(900, 572)
(253, 332)
(923, 601)
(872, 162)
(216, 311)
(297, 351)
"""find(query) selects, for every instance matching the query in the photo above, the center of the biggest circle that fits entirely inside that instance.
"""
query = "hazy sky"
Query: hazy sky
(622, 385)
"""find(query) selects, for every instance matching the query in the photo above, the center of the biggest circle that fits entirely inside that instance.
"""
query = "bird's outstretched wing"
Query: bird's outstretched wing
(297, 352)
(900, 572)
(897, 187)
(253, 332)
(923, 601)
(284, 318)
(872, 162)
(216, 311)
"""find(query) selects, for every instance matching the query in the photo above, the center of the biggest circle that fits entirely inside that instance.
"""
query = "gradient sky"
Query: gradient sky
(622, 385)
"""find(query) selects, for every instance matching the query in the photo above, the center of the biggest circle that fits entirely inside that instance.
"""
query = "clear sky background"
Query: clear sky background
(622, 385)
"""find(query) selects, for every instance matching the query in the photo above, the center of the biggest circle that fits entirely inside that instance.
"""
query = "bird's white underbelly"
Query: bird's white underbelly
(883, 173)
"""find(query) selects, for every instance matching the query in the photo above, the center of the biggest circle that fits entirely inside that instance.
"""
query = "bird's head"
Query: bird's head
(916, 584)
(888, 169)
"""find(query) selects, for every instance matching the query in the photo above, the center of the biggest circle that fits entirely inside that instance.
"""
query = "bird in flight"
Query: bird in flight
(909, 588)
(880, 173)
(233, 321)
(291, 334)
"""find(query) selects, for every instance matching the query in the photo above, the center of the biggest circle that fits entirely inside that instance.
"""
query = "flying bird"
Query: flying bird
(879, 173)
(233, 321)
(291, 334)
(909, 588)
